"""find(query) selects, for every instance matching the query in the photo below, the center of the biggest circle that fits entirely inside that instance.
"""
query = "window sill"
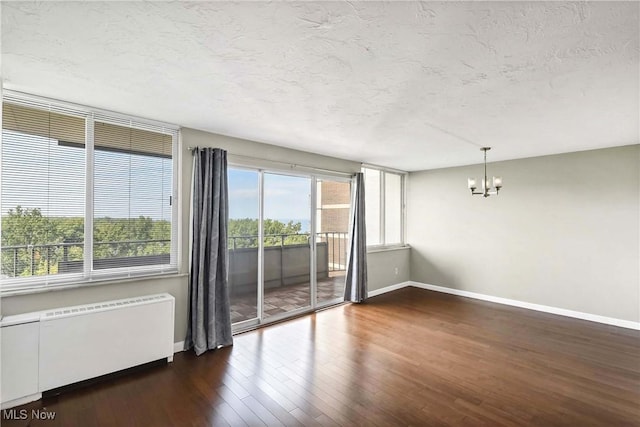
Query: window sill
(375, 249)
(36, 289)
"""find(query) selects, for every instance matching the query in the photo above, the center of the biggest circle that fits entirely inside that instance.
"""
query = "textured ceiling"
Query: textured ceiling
(410, 85)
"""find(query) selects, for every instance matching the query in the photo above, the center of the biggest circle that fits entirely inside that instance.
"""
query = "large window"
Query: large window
(384, 195)
(84, 196)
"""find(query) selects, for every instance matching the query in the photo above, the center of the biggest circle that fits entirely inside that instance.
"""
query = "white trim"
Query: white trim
(336, 206)
(531, 306)
(25, 290)
(89, 169)
(177, 201)
(313, 218)
(279, 167)
(383, 168)
(403, 215)
(178, 347)
(374, 249)
(514, 303)
(1, 114)
(382, 204)
(21, 401)
(92, 115)
(382, 207)
(260, 283)
(388, 289)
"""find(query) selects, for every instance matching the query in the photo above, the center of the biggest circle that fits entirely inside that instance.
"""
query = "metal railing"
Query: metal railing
(37, 260)
(32, 260)
(336, 242)
(337, 246)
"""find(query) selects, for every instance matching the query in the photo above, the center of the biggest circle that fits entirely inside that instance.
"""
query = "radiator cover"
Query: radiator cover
(82, 342)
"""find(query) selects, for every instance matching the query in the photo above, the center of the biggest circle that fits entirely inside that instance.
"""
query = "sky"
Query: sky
(54, 182)
(39, 173)
(286, 197)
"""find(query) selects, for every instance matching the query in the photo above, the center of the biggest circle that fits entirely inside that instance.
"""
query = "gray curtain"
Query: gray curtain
(209, 312)
(355, 289)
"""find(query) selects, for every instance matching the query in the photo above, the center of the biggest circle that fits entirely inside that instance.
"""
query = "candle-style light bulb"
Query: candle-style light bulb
(486, 185)
(497, 181)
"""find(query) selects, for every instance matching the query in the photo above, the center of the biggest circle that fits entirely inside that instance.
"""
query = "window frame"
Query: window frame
(89, 275)
(383, 245)
(262, 167)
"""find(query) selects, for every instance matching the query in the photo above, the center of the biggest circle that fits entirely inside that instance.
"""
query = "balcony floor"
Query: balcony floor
(287, 298)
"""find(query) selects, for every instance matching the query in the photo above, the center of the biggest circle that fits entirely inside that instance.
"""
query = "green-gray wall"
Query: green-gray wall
(564, 232)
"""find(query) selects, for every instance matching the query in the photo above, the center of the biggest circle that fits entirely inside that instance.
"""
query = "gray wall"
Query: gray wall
(381, 267)
(177, 285)
(564, 232)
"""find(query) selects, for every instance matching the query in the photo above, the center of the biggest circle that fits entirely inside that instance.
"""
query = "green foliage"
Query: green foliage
(122, 237)
(41, 243)
(29, 231)
(24, 227)
(243, 233)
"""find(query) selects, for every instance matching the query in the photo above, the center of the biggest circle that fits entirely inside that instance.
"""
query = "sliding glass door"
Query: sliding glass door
(287, 244)
(244, 220)
(333, 203)
(284, 260)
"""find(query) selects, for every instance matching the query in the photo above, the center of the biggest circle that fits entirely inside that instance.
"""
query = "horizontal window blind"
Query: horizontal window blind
(43, 204)
(127, 139)
(132, 198)
(63, 128)
(61, 225)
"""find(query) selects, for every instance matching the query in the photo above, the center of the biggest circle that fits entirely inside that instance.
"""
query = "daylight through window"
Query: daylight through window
(384, 213)
(84, 196)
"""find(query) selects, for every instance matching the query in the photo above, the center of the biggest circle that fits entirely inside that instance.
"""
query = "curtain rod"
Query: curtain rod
(289, 165)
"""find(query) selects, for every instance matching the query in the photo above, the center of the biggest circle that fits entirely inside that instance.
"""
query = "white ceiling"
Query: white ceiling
(409, 85)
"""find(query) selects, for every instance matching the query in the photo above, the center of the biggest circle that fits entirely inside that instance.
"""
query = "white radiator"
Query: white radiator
(86, 341)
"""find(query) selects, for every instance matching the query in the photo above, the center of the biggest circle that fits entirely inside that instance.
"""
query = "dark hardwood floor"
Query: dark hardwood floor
(410, 357)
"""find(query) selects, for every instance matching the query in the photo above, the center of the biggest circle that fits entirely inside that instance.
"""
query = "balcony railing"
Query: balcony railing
(37, 260)
(336, 244)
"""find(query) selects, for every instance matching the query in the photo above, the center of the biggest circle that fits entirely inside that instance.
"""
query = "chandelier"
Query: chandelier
(488, 188)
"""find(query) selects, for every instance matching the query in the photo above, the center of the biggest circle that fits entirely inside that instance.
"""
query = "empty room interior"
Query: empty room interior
(329, 213)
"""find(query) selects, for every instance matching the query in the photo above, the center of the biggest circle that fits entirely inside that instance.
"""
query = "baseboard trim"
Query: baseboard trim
(21, 401)
(178, 347)
(388, 289)
(530, 306)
